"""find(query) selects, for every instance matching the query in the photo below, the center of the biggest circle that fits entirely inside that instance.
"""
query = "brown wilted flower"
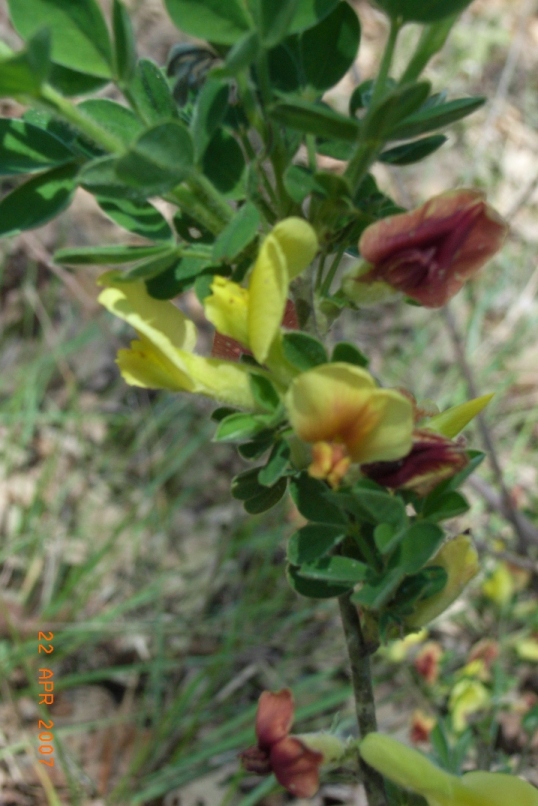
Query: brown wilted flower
(296, 767)
(432, 459)
(430, 252)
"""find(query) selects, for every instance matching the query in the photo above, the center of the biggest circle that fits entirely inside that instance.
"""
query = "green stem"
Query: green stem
(361, 679)
(325, 286)
(70, 112)
(187, 201)
(386, 61)
(367, 150)
(210, 198)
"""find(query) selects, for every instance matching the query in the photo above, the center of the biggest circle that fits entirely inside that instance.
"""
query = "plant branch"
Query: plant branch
(359, 658)
(508, 509)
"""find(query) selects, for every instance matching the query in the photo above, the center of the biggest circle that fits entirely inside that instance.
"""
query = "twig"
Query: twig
(495, 502)
(508, 509)
(361, 678)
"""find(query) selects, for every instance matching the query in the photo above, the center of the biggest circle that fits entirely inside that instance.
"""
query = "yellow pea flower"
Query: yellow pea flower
(162, 357)
(411, 770)
(340, 405)
(467, 697)
(253, 316)
(500, 585)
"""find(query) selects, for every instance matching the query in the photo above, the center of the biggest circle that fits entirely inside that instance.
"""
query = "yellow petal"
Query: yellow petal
(527, 649)
(268, 291)
(144, 366)
(299, 243)
(160, 321)
(453, 420)
(167, 337)
(340, 403)
(227, 309)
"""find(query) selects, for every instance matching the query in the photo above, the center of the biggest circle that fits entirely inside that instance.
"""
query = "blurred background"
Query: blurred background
(169, 605)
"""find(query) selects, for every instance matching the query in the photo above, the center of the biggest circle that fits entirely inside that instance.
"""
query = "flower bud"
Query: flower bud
(460, 560)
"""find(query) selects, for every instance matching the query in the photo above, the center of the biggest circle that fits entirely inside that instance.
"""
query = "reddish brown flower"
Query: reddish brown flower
(430, 252)
(427, 662)
(295, 766)
(432, 459)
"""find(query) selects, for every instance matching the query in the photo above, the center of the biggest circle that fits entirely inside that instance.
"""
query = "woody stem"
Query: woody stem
(361, 678)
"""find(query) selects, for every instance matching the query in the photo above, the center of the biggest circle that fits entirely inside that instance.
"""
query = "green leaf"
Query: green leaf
(224, 165)
(422, 10)
(435, 117)
(159, 159)
(211, 20)
(124, 42)
(314, 588)
(246, 484)
(106, 255)
(266, 500)
(139, 217)
(315, 118)
(344, 351)
(426, 583)
(376, 594)
(381, 506)
(384, 536)
(309, 496)
(151, 94)
(208, 113)
(25, 71)
(313, 542)
(273, 19)
(440, 507)
(241, 426)
(25, 148)
(413, 152)
(420, 542)
(276, 466)
(79, 34)
(153, 267)
(165, 284)
(73, 82)
(100, 178)
(339, 570)
(117, 119)
(237, 235)
(299, 182)
(264, 393)
(241, 55)
(395, 107)
(338, 35)
(303, 351)
(285, 66)
(257, 447)
(309, 12)
(37, 201)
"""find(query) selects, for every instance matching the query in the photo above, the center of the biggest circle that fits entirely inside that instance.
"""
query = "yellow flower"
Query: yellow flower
(339, 404)
(253, 317)
(411, 770)
(499, 587)
(460, 560)
(467, 697)
(162, 357)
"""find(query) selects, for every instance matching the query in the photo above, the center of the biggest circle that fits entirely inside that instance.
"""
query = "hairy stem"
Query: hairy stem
(361, 678)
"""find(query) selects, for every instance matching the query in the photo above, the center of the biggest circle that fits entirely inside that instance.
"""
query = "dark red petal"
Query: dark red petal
(274, 718)
(296, 767)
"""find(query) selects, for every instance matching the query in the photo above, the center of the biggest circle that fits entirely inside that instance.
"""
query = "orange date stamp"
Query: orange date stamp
(46, 697)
